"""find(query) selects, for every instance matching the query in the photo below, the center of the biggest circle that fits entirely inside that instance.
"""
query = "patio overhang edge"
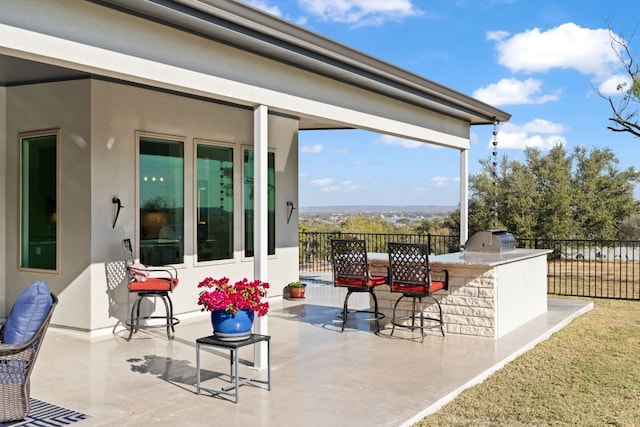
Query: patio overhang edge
(29, 45)
(253, 30)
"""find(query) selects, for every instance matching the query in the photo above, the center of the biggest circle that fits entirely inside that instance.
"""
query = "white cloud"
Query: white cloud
(322, 182)
(314, 149)
(329, 185)
(406, 143)
(513, 91)
(473, 138)
(263, 5)
(497, 35)
(567, 46)
(343, 151)
(274, 10)
(614, 85)
(542, 126)
(521, 140)
(360, 12)
(440, 181)
(350, 187)
(538, 133)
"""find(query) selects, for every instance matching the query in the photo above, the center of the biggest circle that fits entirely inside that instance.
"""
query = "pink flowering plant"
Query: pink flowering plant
(219, 294)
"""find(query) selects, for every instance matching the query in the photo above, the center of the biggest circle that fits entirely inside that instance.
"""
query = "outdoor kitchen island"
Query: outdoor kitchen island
(490, 294)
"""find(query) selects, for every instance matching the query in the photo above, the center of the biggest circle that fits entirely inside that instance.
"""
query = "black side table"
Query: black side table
(232, 346)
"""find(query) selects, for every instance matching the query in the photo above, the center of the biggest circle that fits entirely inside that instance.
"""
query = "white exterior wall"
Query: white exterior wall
(98, 122)
(521, 293)
(64, 106)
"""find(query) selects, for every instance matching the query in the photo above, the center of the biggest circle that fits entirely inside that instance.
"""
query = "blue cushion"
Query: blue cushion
(27, 314)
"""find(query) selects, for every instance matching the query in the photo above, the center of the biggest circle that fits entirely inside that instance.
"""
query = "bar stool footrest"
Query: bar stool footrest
(438, 324)
(372, 318)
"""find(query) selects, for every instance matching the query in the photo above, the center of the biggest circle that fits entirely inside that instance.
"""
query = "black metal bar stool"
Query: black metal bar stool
(411, 275)
(351, 271)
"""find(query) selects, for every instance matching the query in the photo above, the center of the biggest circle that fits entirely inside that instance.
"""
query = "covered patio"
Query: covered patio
(198, 139)
(319, 375)
(105, 104)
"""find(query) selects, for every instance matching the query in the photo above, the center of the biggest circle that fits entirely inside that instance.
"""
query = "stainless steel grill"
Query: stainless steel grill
(493, 241)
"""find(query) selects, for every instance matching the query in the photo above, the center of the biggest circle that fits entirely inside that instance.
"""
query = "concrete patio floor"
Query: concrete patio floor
(320, 377)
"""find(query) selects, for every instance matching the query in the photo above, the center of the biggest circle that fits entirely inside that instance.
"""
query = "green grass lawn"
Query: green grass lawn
(587, 374)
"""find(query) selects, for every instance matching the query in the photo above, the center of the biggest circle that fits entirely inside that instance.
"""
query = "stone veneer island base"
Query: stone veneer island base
(490, 294)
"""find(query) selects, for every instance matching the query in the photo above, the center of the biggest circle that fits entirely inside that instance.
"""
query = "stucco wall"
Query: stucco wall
(128, 109)
(64, 106)
(98, 121)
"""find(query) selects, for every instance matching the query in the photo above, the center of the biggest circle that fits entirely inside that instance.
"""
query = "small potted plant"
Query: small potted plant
(296, 289)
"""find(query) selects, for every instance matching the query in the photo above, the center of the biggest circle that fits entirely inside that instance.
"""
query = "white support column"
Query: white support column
(464, 196)
(260, 223)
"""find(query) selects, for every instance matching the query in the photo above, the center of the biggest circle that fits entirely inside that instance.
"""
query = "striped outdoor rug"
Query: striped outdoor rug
(45, 414)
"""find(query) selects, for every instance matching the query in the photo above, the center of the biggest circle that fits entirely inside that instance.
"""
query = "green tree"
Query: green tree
(605, 198)
(426, 226)
(482, 198)
(555, 195)
(315, 225)
(630, 228)
(366, 224)
(451, 223)
(521, 200)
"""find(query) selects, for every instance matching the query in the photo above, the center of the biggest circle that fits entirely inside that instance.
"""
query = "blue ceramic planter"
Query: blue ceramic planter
(232, 327)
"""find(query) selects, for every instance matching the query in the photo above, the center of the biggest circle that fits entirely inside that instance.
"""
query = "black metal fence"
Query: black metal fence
(583, 268)
(591, 268)
(315, 248)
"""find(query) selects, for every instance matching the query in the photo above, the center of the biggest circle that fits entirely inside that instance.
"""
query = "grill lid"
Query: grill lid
(494, 241)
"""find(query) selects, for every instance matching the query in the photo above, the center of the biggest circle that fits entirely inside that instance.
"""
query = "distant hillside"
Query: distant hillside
(376, 209)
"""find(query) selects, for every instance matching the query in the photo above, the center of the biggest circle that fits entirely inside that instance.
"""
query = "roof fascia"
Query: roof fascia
(245, 27)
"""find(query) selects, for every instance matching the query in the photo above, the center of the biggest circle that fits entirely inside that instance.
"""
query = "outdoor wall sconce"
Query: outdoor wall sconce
(291, 208)
(116, 201)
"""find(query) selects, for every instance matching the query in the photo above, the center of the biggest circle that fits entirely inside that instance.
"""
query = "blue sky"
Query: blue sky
(540, 61)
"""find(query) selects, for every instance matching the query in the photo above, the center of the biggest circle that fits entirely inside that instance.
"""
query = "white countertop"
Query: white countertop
(474, 258)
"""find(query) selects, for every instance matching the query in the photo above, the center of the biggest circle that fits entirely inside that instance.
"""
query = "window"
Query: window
(38, 204)
(161, 192)
(214, 198)
(249, 203)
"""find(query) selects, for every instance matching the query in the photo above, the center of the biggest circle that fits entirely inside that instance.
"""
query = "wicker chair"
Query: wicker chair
(16, 365)
(411, 275)
(351, 271)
